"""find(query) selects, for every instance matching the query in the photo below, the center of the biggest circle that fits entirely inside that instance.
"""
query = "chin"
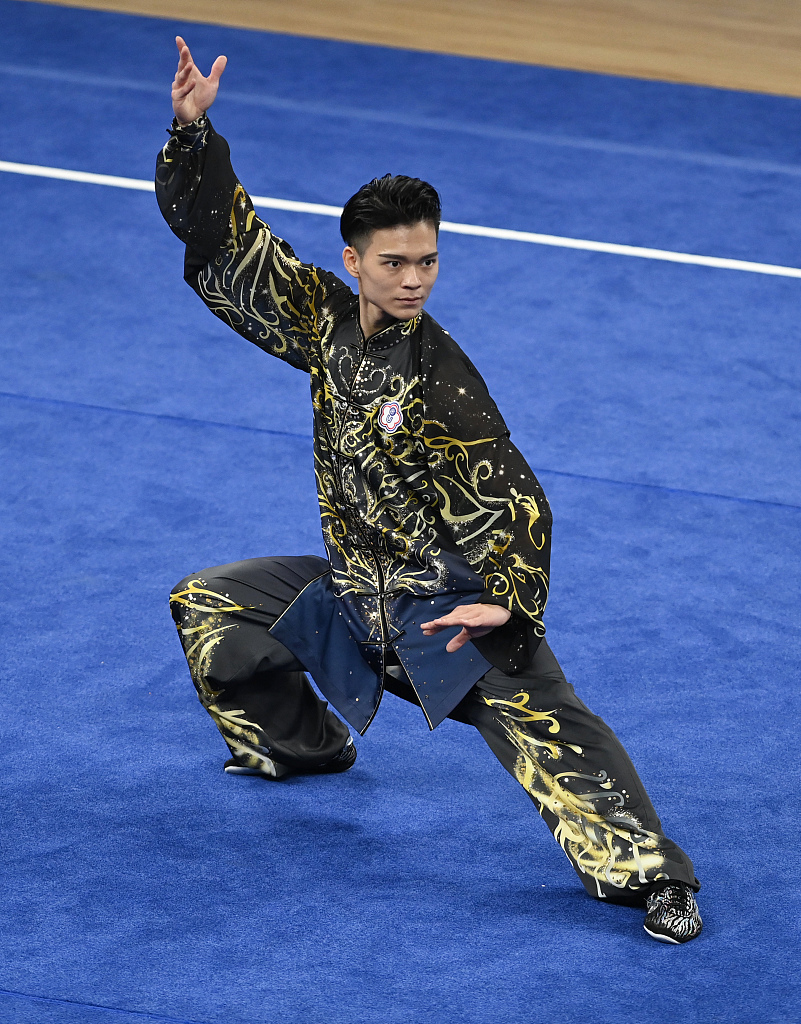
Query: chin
(406, 312)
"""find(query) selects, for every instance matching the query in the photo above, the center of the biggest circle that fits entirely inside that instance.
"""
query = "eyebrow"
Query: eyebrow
(397, 256)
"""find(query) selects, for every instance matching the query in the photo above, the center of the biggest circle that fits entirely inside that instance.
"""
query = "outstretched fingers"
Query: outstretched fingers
(184, 80)
(217, 69)
(475, 619)
(458, 641)
(464, 615)
(184, 83)
(447, 622)
(435, 626)
(184, 55)
(181, 92)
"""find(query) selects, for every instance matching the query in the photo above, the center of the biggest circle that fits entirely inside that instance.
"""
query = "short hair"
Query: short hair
(386, 203)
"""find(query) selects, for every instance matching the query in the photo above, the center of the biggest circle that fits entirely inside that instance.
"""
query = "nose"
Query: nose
(411, 279)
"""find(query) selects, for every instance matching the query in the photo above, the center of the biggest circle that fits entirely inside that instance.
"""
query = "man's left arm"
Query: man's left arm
(499, 517)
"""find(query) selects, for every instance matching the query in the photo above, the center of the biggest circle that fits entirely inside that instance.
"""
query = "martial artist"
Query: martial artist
(432, 521)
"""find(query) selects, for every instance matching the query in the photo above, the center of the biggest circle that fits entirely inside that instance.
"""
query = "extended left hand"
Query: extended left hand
(192, 94)
(475, 619)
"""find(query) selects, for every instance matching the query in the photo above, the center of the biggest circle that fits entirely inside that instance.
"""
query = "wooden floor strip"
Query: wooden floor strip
(737, 44)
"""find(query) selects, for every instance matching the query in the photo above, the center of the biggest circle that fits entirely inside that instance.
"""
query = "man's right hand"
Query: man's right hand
(192, 94)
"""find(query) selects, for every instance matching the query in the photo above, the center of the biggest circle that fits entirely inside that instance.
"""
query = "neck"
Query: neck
(372, 318)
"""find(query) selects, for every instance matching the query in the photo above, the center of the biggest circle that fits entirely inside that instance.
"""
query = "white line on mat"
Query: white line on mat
(506, 234)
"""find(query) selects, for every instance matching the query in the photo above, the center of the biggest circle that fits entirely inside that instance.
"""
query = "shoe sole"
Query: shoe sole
(281, 771)
(666, 938)
(661, 938)
(333, 769)
(235, 769)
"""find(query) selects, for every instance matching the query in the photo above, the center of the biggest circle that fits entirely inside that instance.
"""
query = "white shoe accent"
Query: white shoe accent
(662, 938)
(271, 770)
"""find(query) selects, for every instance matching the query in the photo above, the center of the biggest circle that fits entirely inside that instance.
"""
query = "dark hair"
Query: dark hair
(385, 203)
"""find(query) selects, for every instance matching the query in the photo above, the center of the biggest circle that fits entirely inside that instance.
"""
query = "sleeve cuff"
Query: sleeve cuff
(489, 598)
(191, 137)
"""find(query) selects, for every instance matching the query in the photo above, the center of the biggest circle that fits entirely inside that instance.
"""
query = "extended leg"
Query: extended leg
(580, 778)
(252, 686)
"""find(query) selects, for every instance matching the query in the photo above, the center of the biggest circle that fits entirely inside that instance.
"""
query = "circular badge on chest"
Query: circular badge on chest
(390, 417)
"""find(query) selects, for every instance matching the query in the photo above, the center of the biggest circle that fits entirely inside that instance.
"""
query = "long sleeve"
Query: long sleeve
(246, 275)
(489, 499)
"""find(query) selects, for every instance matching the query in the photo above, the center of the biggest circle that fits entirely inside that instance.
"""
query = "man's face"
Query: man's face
(397, 270)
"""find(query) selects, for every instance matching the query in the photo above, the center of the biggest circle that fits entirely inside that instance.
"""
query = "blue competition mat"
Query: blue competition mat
(660, 404)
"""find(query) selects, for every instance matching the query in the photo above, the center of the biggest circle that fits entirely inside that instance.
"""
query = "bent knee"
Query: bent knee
(182, 593)
(181, 588)
(205, 582)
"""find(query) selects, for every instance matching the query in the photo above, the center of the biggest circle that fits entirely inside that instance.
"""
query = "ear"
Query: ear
(352, 260)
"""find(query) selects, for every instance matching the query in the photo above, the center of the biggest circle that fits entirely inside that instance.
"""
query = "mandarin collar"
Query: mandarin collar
(390, 335)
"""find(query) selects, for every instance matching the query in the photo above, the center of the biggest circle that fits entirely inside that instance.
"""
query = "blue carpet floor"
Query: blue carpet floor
(661, 406)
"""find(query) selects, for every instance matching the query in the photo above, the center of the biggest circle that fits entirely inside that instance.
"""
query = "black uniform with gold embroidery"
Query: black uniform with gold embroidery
(425, 505)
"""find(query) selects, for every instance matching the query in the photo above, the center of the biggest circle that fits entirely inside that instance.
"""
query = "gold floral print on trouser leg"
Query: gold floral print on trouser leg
(204, 618)
(612, 847)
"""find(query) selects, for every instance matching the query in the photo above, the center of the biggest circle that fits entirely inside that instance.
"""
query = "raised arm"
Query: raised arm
(247, 276)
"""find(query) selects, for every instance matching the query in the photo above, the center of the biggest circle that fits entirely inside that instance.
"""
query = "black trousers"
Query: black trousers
(567, 759)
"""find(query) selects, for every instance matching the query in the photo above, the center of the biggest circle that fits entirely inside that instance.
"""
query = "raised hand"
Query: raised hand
(475, 620)
(192, 94)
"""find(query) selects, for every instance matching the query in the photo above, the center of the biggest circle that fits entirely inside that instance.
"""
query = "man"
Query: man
(432, 521)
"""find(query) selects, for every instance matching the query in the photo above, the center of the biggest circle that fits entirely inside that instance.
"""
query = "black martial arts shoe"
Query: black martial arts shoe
(673, 914)
(340, 762)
